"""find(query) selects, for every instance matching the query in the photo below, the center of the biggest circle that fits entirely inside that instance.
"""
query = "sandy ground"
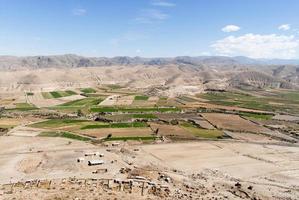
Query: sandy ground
(203, 169)
(250, 162)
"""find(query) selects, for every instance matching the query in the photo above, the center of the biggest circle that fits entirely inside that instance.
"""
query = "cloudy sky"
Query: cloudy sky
(150, 28)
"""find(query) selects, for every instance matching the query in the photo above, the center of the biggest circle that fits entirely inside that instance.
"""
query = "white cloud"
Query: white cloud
(230, 28)
(258, 46)
(284, 27)
(138, 51)
(163, 4)
(79, 11)
(148, 16)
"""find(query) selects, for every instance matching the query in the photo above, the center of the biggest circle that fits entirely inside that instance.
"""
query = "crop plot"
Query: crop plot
(142, 98)
(24, 107)
(64, 135)
(202, 133)
(65, 124)
(135, 110)
(116, 125)
(233, 123)
(118, 132)
(58, 94)
(274, 101)
(88, 90)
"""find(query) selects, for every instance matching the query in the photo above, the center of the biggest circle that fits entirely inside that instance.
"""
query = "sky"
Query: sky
(150, 28)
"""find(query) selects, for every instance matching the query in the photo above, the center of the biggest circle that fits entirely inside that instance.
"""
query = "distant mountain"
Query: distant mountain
(204, 72)
(74, 61)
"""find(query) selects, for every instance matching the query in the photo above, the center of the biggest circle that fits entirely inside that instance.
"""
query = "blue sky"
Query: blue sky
(150, 28)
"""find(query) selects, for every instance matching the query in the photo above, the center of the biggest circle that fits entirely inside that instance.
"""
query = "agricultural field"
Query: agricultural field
(116, 125)
(64, 124)
(200, 132)
(135, 110)
(58, 94)
(274, 101)
(63, 134)
(24, 107)
(88, 90)
(118, 132)
(233, 123)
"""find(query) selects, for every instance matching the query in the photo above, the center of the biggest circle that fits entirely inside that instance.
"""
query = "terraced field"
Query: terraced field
(274, 100)
(58, 94)
(88, 90)
(135, 110)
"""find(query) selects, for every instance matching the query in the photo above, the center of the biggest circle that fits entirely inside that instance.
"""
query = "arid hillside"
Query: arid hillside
(174, 75)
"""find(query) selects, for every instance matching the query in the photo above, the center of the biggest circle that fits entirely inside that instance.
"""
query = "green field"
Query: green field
(273, 101)
(64, 135)
(144, 116)
(74, 106)
(134, 110)
(116, 125)
(90, 101)
(61, 123)
(29, 93)
(58, 94)
(256, 116)
(24, 107)
(141, 98)
(114, 86)
(88, 90)
(201, 133)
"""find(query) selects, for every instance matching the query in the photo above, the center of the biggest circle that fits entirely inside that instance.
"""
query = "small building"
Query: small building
(95, 162)
(115, 144)
(80, 159)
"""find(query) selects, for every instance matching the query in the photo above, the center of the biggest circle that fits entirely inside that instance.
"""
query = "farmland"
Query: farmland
(133, 110)
(278, 101)
(64, 135)
(58, 94)
(136, 131)
(202, 133)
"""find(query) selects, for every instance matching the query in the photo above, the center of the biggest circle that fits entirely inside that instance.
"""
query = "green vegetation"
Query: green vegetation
(162, 101)
(58, 94)
(256, 116)
(135, 110)
(6, 126)
(144, 116)
(145, 138)
(47, 95)
(277, 100)
(116, 125)
(114, 86)
(88, 90)
(202, 133)
(29, 93)
(64, 135)
(187, 99)
(24, 107)
(60, 123)
(142, 98)
(83, 102)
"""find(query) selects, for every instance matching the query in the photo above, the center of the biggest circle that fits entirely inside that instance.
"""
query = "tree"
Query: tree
(79, 113)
